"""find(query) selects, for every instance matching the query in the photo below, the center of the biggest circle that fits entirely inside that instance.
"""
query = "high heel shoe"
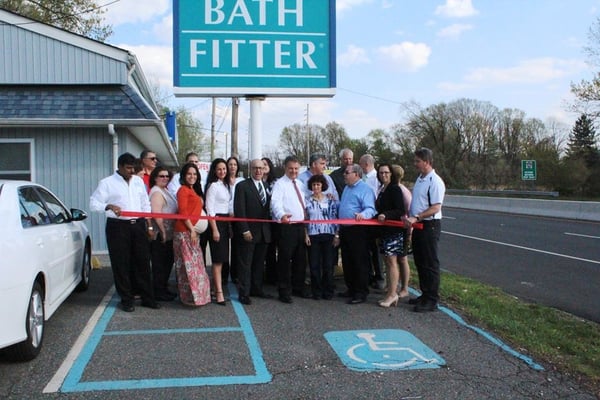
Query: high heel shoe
(222, 302)
(389, 301)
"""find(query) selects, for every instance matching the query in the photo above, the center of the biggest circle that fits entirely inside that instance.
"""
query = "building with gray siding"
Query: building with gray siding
(69, 106)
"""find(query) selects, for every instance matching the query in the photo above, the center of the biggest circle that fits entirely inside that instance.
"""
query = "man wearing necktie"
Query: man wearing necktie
(287, 207)
(252, 202)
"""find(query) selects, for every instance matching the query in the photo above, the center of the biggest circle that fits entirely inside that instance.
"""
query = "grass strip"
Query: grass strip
(561, 340)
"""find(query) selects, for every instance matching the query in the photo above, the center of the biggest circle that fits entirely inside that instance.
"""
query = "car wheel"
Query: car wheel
(86, 268)
(34, 325)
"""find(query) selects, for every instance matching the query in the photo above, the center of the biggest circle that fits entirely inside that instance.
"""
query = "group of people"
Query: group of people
(308, 217)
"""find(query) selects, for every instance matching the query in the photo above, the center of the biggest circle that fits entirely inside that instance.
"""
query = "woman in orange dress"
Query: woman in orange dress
(193, 283)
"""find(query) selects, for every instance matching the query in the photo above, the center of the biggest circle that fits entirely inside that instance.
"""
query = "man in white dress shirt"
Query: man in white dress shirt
(287, 207)
(127, 237)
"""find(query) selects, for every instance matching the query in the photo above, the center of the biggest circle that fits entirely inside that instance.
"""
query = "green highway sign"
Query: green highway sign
(528, 170)
(280, 48)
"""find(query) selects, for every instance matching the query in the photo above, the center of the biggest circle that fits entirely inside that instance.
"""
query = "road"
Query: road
(554, 262)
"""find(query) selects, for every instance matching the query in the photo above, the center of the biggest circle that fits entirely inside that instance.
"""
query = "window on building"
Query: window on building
(16, 159)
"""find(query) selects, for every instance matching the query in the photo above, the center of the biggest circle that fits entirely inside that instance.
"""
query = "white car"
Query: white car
(45, 254)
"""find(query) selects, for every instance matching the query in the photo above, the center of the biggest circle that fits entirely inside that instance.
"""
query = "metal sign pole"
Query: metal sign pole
(255, 127)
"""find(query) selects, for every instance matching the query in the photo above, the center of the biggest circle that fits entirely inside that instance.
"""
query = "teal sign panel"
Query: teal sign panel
(382, 350)
(254, 47)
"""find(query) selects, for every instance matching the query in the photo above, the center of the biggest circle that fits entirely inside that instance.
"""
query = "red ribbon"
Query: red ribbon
(348, 221)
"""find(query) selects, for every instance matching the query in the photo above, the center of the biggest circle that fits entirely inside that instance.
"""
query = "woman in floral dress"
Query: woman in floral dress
(193, 283)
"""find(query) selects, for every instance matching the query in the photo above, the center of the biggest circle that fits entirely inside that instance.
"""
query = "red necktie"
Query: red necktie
(299, 197)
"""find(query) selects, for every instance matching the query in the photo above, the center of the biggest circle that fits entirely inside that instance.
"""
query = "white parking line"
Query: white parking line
(57, 380)
(582, 235)
(523, 247)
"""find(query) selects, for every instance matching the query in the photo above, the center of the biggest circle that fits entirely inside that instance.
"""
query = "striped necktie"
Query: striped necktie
(261, 193)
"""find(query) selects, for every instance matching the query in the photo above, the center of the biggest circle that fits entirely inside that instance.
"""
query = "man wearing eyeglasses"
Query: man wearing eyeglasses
(357, 203)
(149, 162)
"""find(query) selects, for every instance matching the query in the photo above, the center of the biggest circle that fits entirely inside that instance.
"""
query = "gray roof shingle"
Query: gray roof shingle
(72, 102)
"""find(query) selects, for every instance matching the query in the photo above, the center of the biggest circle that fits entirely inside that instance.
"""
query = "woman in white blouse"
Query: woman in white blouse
(218, 197)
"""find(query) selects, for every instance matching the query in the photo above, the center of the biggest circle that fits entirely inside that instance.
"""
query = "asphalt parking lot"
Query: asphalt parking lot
(307, 350)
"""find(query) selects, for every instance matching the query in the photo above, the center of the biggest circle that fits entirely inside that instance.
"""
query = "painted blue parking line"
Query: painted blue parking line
(73, 382)
(486, 335)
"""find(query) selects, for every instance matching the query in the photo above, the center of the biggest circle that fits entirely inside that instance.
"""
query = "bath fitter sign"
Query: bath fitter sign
(254, 48)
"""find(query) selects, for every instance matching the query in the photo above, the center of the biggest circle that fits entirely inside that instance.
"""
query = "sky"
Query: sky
(521, 54)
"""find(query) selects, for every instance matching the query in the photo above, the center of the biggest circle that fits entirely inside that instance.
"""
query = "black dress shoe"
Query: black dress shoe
(150, 304)
(316, 296)
(286, 299)
(327, 296)
(245, 300)
(345, 294)
(415, 300)
(425, 306)
(262, 295)
(127, 307)
(164, 297)
(301, 293)
(357, 300)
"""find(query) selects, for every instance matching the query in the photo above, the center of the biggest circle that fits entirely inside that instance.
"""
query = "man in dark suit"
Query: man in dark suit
(251, 201)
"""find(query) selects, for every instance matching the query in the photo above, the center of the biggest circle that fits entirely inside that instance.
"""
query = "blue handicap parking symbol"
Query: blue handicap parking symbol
(382, 349)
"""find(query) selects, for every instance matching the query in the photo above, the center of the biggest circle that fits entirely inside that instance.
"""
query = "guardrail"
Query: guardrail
(519, 193)
(579, 210)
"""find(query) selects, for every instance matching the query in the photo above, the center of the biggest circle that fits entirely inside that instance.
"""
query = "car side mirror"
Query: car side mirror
(78, 215)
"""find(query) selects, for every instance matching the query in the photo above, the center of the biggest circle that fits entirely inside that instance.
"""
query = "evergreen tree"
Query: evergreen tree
(582, 142)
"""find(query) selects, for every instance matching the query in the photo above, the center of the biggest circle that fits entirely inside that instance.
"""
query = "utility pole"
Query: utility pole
(235, 105)
(212, 128)
(307, 140)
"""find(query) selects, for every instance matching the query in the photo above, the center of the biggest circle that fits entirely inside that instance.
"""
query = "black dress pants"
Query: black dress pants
(251, 266)
(354, 242)
(162, 263)
(129, 250)
(425, 254)
(291, 259)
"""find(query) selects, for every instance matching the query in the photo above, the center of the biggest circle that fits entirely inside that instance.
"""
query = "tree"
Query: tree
(84, 17)
(381, 146)
(582, 142)
(293, 140)
(334, 140)
(190, 136)
(587, 93)
(583, 154)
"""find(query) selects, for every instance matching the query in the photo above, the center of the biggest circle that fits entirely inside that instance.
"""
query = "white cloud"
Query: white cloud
(537, 70)
(456, 9)
(528, 72)
(343, 5)
(131, 11)
(352, 56)
(387, 4)
(454, 31)
(407, 55)
(358, 122)
(156, 62)
(163, 30)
